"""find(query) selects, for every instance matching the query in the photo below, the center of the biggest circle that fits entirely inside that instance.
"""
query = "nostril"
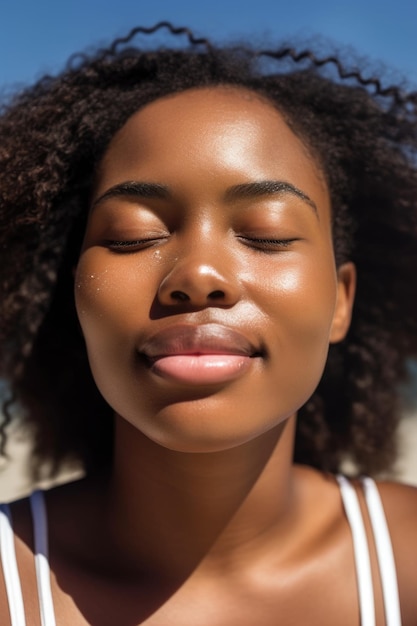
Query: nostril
(216, 295)
(179, 296)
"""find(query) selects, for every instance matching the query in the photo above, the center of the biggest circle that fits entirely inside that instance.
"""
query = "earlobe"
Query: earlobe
(346, 286)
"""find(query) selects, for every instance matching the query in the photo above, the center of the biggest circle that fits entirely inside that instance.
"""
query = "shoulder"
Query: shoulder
(400, 506)
(16, 547)
(399, 495)
(18, 541)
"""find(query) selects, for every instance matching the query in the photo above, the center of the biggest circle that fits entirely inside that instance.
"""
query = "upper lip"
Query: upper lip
(197, 339)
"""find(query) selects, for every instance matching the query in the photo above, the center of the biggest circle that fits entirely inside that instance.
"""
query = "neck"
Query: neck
(173, 512)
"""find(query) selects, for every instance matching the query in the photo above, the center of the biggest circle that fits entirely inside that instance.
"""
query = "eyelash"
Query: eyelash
(131, 246)
(267, 245)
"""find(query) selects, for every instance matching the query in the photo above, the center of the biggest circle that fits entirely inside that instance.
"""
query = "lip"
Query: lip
(198, 340)
(199, 355)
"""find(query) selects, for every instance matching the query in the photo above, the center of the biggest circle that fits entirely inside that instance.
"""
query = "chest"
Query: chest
(321, 591)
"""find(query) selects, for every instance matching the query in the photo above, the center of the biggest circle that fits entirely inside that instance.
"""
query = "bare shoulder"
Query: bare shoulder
(400, 506)
(61, 501)
(22, 541)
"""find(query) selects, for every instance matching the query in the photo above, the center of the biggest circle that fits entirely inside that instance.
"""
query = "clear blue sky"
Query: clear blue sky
(37, 36)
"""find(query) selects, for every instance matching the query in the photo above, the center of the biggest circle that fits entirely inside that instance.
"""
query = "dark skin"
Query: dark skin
(208, 295)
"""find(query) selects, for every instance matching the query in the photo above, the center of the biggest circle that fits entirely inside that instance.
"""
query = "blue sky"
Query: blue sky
(37, 36)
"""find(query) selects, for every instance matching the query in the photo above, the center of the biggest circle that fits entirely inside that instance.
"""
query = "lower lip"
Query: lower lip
(201, 369)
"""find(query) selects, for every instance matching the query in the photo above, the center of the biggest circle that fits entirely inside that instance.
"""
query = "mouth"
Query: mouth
(198, 355)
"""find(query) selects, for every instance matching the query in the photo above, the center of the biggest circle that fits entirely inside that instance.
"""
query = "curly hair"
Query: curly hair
(52, 137)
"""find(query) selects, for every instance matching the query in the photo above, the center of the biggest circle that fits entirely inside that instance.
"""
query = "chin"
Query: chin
(195, 431)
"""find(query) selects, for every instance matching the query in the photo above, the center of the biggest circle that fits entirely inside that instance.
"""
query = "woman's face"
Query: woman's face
(206, 287)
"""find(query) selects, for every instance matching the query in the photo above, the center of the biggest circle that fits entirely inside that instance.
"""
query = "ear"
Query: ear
(346, 285)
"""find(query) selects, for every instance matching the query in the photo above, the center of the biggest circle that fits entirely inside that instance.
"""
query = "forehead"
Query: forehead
(211, 130)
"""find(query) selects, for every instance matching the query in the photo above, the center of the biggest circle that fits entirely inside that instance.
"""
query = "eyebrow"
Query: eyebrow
(139, 189)
(268, 188)
(134, 188)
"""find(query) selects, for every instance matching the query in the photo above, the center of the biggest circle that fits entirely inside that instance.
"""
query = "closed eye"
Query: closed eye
(133, 245)
(268, 244)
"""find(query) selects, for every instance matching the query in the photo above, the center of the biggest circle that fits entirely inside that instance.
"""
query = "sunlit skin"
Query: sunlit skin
(208, 238)
(204, 468)
(208, 295)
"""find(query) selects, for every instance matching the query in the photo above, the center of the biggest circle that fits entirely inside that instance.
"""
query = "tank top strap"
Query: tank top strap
(9, 563)
(384, 552)
(361, 552)
(43, 575)
(10, 571)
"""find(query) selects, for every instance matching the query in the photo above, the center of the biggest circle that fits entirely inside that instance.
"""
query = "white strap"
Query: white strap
(384, 553)
(361, 551)
(11, 574)
(40, 531)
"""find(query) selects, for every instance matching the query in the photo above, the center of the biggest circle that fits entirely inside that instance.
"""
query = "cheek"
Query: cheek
(103, 301)
(300, 302)
(107, 317)
(110, 289)
(300, 307)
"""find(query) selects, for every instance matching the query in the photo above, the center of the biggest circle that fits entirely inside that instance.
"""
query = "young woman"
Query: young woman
(213, 211)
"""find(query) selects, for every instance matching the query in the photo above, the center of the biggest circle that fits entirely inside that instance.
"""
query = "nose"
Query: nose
(199, 283)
